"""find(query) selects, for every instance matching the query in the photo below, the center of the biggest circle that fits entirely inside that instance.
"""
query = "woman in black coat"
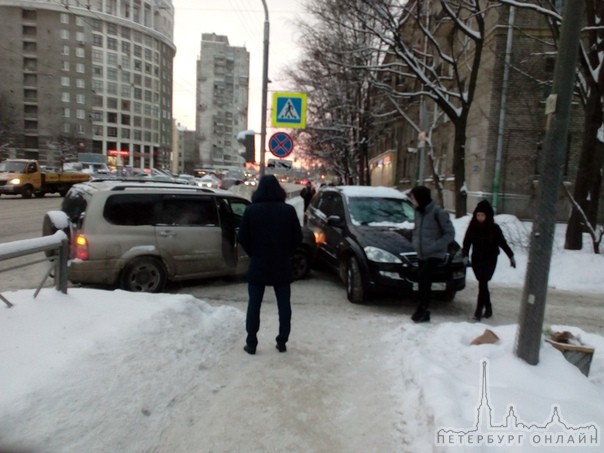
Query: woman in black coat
(269, 233)
(485, 238)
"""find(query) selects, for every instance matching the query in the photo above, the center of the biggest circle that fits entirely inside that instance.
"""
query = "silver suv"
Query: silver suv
(140, 235)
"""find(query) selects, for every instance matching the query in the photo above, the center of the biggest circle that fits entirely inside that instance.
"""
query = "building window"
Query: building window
(80, 37)
(80, 68)
(81, 114)
(125, 133)
(66, 112)
(80, 99)
(112, 29)
(126, 76)
(97, 71)
(80, 83)
(97, 40)
(64, 18)
(111, 103)
(66, 128)
(125, 47)
(30, 64)
(64, 34)
(111, 88)
(97, 56)
(28, 30)
(66, 66)
(97, 130)
(125, 62)
(112, 131)
(79, 21)
(29, 47)
(65, 97)
(80, 52)
(97, 116)
(111, 43)
(112, 58)
(97, 86)
(112, 73)
(126, 92)
(65, 81)
(65, 51)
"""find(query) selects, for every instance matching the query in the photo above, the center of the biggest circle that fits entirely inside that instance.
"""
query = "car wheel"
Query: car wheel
(27, 192)
(300, 264)
(354, 282)
(144, 274)
(55, 221)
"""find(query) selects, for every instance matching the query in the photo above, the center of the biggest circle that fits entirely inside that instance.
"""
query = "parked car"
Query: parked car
(364, 234)
(140, 235)
(209, 181)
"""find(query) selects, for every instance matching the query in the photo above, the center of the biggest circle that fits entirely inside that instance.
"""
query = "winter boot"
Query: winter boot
(488, 311)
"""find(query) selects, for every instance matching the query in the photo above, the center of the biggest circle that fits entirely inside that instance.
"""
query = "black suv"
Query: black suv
(364, 234)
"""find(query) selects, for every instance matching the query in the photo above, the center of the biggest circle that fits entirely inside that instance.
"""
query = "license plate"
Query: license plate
(436, 286)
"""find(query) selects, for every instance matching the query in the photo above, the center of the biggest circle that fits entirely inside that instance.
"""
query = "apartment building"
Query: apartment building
(222, 100)
(87, 76)
(505, 125)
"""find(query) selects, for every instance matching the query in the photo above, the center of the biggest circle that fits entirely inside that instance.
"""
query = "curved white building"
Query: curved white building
(87, 76)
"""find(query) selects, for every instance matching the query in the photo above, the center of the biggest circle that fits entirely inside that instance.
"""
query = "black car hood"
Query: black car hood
(393, 240)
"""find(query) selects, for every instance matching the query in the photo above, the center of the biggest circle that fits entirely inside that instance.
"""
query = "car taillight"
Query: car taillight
(81, 247)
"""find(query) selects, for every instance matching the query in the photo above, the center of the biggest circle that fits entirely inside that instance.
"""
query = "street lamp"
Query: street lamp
(264, 90)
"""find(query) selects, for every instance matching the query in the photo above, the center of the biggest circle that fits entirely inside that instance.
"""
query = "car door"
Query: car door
(189, 236)
(329, 236)
(230, 211)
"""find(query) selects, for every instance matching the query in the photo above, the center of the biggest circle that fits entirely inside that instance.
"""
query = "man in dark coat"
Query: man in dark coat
(307, 193)
(485, 238)
(269, 233)
(432, 235)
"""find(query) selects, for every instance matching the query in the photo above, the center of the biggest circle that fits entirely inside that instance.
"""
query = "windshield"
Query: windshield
(12, 167)
(381, 212)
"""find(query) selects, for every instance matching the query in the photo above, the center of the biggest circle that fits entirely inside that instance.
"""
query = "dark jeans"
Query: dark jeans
(252, 323)
(483, 272)
(425, 273)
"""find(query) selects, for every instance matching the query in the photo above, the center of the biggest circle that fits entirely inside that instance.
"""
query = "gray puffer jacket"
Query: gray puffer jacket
(431, 237)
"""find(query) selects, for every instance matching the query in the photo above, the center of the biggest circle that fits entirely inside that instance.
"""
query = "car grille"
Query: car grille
(410, 257)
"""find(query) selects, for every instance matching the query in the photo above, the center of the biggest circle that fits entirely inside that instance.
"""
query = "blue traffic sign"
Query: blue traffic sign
(289, 110)
(281, 144)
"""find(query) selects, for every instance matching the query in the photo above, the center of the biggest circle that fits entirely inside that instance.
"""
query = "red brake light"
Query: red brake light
(81, 247)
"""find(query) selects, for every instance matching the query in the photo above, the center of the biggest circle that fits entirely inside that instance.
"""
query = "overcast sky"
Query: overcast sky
(242, 21)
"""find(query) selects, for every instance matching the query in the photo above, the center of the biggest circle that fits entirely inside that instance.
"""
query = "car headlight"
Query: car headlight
(381, 256)
(15, 181)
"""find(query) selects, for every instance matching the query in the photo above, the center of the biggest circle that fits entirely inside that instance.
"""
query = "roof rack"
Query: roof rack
(162, 185)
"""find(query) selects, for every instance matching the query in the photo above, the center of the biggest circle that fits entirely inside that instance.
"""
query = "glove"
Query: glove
(513, 262)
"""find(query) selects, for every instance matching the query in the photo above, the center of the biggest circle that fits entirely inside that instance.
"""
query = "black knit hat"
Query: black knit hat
(485, 207)
(422, 196)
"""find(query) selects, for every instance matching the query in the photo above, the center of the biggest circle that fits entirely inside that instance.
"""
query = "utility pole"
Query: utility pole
(528, 340)
(264, 90)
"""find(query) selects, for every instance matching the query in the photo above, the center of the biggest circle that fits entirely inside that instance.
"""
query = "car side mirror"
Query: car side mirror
(335, 220)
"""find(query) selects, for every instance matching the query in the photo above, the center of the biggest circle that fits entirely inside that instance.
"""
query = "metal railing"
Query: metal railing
(56, 248)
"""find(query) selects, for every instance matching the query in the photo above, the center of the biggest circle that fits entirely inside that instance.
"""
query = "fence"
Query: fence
(56, 248)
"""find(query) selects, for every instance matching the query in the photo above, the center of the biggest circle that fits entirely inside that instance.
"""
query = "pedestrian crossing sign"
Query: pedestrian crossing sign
(289, 110)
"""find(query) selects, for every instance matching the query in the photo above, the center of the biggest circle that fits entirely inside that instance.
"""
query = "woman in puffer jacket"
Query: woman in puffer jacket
(485, 238)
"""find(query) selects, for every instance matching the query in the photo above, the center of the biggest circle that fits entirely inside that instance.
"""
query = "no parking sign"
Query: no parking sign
(281, 144)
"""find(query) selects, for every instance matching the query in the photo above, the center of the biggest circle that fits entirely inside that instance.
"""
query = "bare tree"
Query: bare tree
(437, 45)
(333, 71)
